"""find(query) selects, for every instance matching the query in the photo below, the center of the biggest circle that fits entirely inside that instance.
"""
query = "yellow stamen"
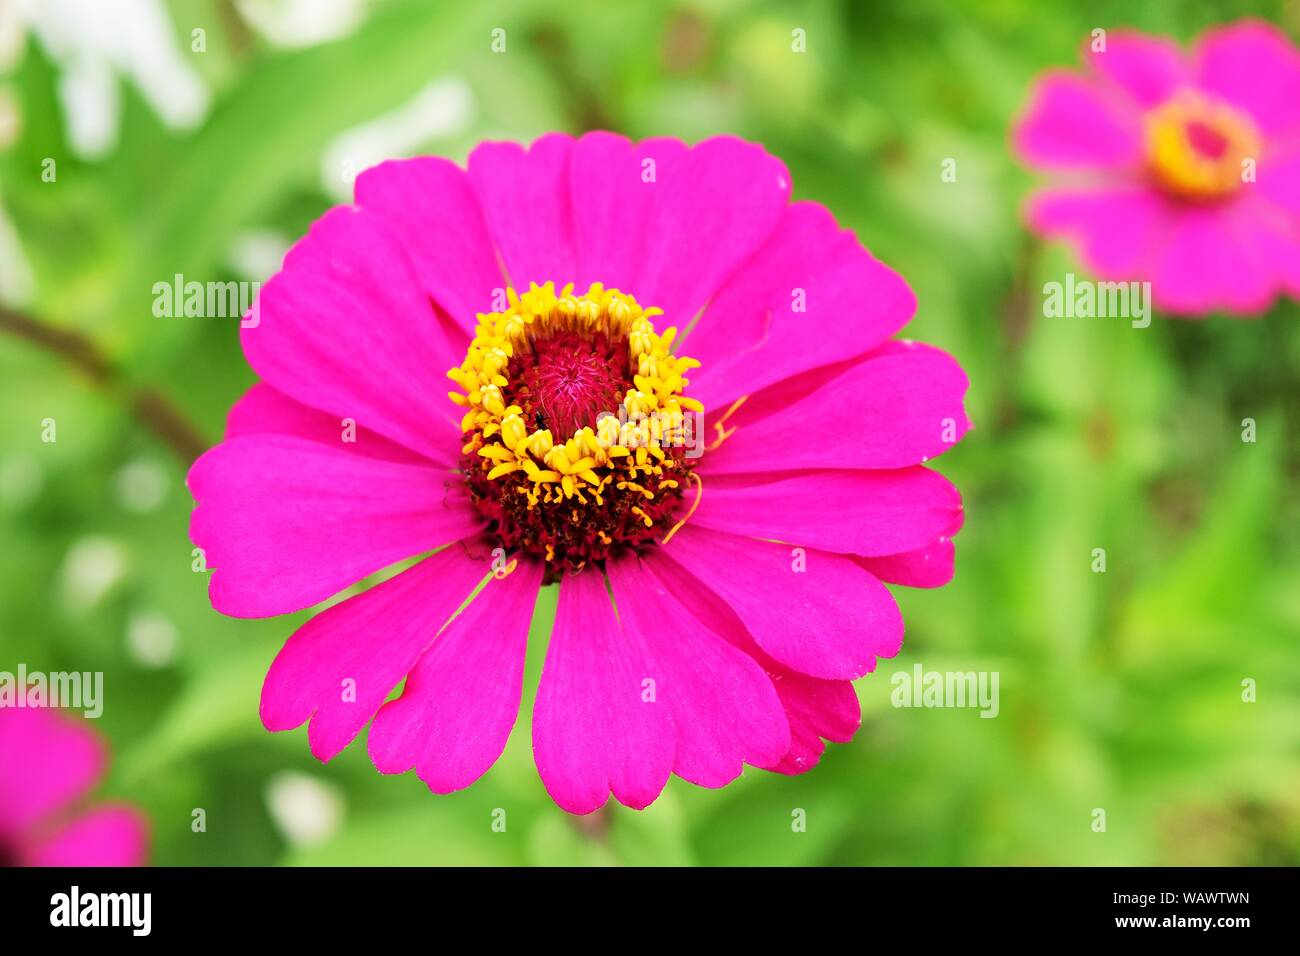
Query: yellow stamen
(1200, 148)
(629, 443)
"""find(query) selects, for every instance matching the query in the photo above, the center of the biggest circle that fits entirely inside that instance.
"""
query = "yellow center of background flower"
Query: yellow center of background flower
(1199, 148)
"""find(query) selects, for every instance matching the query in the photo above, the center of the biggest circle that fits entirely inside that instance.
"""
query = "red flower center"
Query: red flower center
(1205, 139)
(566, 380)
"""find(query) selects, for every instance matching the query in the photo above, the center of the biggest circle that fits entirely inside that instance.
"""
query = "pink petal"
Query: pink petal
(654, 219)
(814, 708)
(713, 209)
(850, 303)
(105, 836)
(1279, 244)
(431, 205)
(807, 242)
(895, 408)
(857, 512)
(1253, 65)
(461, 700)
(593, 733)
(930, 566)
(286, 522)
(264, 411)
(339, 667)
(1148, 69)
(1278, 182)
(1071, 123)
(613, 203)
(46, 762)
(724, 707)
(1118, 229)
(831, 619)
(347, 327)
(525, 199)
(1211, 261)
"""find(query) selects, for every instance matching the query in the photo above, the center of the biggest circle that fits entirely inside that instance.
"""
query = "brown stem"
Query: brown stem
(153, 409)
(1023, 297)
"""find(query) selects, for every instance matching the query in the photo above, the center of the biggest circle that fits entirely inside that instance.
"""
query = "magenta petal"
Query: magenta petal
(713, 209)
(895, 408)
(613, 199)
(930, 566)
(814, 708)
(593, 732)
(816, 296)
(1072, 124)
(807, 242)
(724, 707)
(1279, 184)
(1145, 68)
(1117, 228)
(816, 612)
(46, 762)
(1253, 65)
(286, 523)
(338, 668)
(264, 411)
(1279, 243)
(1214, 259)
(346, 327)
(852, 512)
(104, 836)
(461, 700)
(431, 204)
(524, 194)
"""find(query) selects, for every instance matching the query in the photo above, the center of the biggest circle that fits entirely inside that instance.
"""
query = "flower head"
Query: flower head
(720, 580)
(47, 766)
(1182, 169)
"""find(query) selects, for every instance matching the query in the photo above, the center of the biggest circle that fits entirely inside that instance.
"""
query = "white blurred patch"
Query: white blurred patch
(12, 34)
(141, 485)
(151, 639)
(17, 282)
(11, 118)
(299, 23)
(91, 41)
(21, 479)
(257, 254)
(443, 108)
(307, 811)
(93, 565)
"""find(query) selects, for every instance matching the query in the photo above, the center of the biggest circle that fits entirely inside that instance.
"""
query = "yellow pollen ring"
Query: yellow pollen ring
(625, 450)
(1199, 148)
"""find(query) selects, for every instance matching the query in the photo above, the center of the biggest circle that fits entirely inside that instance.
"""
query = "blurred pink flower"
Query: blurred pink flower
(692, 647)
(1186, 167)
(48, 763)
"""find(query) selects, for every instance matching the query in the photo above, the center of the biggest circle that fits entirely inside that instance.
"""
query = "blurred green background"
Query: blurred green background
(1120, 691)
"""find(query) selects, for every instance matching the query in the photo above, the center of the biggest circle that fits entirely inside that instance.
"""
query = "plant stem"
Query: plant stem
(149, 406)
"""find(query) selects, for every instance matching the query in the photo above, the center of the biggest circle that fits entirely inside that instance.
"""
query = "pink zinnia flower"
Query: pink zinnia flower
(695, 632)
(1187, 166)
(48, 764)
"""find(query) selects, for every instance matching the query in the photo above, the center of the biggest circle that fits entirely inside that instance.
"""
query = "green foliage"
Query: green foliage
(1119, 690)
